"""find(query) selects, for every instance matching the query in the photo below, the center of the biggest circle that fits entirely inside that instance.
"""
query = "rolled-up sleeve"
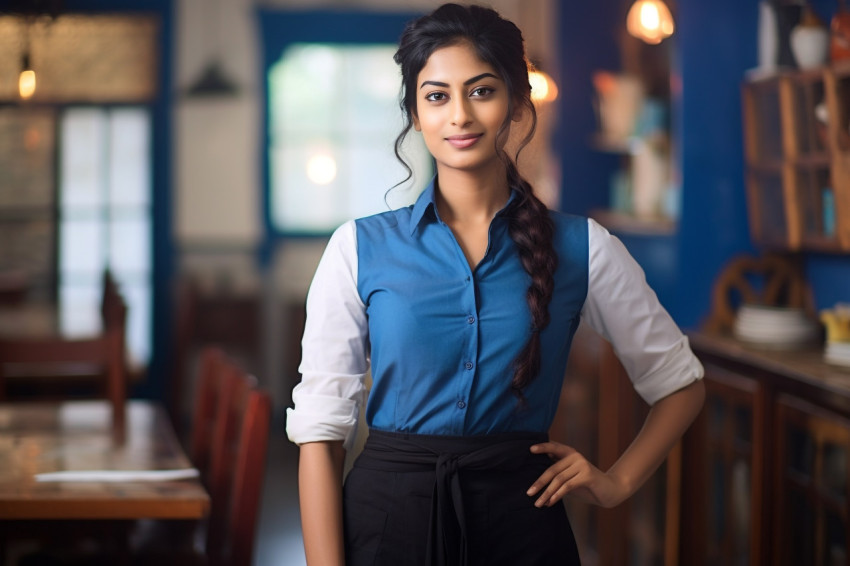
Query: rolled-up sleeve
(334, 359)
(622, 307)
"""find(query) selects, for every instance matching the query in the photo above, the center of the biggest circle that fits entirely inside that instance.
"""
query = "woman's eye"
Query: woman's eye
(435, 96)
(482, 91)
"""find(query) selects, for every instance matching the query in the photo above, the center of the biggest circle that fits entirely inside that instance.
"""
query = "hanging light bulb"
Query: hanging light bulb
(543, 88)
(26, 80)
(650, 21)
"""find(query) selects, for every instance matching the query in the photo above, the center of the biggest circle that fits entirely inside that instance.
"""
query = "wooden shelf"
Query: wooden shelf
(793, 159)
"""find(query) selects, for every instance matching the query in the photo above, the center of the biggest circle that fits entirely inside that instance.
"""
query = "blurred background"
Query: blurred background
(204, 150)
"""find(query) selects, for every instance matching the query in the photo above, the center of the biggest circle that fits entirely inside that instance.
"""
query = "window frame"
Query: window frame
(282, 29)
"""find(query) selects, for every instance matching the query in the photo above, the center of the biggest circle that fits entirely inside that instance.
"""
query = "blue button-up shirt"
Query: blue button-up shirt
(444, 336)
(394, 293)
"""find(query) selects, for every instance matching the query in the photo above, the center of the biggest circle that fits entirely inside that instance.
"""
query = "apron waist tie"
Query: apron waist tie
(447, 455)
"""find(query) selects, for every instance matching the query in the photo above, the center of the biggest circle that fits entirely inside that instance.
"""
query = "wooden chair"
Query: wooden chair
(237, 451)
(231, 322)
(207, 393)
(102, 355)
(246, 491)
(771, 279)
(224, 454)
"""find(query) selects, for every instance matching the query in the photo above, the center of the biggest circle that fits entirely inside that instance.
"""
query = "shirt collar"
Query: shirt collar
(426, 202)
(423, 204)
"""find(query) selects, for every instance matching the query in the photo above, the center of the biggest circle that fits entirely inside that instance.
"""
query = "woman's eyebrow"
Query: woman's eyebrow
(467, 82)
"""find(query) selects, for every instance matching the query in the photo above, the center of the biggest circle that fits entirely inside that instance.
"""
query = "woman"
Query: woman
(464, 305)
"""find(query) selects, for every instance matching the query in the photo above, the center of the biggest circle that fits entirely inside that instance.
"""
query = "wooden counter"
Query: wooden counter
(802, 371)
(765, 467)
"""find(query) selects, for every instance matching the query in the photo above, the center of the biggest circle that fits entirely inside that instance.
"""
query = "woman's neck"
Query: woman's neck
(466, 198)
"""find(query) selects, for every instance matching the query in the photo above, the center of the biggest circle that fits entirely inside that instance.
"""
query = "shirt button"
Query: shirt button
(461, 404)
(471, 320)
(468, 365)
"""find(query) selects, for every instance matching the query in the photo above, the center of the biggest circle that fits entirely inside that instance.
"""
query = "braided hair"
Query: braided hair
(499, 43)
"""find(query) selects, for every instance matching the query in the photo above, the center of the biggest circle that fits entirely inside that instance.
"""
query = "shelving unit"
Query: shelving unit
(797, 150)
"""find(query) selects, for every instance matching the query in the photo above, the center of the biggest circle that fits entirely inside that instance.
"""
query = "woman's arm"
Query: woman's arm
(666, 422)
(320, 493)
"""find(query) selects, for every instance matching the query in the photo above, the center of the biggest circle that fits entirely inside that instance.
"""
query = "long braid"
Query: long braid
(532, 230)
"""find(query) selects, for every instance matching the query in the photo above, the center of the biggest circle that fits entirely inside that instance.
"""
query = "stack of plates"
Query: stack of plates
(778, 327)
(837, 353)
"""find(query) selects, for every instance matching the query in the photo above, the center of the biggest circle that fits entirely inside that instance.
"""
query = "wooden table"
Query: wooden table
(75, 436)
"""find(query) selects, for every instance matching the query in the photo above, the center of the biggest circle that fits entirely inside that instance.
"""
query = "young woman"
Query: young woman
(464, 306)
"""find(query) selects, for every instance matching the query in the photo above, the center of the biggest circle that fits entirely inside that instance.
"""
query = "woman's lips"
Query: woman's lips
(463, 141)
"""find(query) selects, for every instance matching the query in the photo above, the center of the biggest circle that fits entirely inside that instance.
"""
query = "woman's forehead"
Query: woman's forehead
(456, 61)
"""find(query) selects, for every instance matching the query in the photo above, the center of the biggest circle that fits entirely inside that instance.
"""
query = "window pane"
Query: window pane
(81, 170)
(303, 89)
(130, 243)
(335, 118)
(105, 219)
(305, 204)
(81, 245)
(138, 300)
(373, 172)
(79, 306)
(371, 102)
(129, 175)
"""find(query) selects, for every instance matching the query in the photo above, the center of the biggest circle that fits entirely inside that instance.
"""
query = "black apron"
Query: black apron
(423, 500)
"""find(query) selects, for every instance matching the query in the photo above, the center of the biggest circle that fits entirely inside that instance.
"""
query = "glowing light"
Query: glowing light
(543, 88)
(26, 83)
(321, 169)
(650, 21)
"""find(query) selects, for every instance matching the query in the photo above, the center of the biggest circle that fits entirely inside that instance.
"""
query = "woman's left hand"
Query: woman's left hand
(573, 474)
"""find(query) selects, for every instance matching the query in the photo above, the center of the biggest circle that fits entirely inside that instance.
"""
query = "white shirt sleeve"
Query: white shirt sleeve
(334, 359)
(622, 307)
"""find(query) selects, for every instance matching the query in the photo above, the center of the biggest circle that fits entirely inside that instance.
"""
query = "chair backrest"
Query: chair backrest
(230, 413)
(106, 350)
(207, 392)
(247, 483)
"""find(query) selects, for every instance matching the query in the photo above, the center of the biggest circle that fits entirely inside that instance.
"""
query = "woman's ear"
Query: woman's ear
(519, 111)
(415, 119)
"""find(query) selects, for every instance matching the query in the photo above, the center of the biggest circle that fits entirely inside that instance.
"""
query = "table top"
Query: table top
(38, 438)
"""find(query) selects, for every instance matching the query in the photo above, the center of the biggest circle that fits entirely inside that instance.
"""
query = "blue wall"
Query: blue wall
(587, 43)
(716, 44)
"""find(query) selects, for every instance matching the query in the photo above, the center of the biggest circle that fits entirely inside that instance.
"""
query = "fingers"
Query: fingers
(568, 473)
(554, 450)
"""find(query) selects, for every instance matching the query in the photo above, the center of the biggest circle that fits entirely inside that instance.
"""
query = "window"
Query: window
(104, 218)
(334, 118)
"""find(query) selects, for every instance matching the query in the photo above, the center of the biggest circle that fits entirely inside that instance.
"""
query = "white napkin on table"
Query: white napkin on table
(117, 475)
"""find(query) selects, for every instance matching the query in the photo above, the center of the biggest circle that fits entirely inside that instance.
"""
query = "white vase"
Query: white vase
(768, 37)
(810, 46)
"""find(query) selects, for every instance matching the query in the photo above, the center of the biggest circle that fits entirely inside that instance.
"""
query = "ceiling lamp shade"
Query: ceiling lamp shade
(212, 82)
(650, 21)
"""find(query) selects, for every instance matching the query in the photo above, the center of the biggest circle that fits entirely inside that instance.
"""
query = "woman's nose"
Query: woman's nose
(461, 114)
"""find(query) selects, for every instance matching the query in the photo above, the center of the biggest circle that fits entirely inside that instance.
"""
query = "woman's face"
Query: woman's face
(461, 103)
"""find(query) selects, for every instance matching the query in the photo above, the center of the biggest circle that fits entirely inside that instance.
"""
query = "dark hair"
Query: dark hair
(499, 43)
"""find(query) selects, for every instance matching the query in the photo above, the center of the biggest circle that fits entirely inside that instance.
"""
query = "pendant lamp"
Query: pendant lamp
(650, 21)
(26, 78)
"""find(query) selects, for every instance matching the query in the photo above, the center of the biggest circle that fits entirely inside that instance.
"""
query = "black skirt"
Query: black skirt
(452, 501)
